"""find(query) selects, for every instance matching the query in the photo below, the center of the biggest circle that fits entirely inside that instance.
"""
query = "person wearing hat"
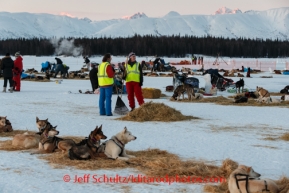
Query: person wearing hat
(93, 76)
(17, 70)
(7, 65)
(105, 82)
(134, 80)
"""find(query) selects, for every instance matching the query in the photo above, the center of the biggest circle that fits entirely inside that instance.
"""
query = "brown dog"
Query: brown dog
(5, 125)
(245, 179)
(88, 148)
(48, 141)
(226, 73)
(262, 92)
(26, 140)
(42, 124)
(181, 89)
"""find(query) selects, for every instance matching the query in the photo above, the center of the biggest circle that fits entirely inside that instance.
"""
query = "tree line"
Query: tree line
(170, 46)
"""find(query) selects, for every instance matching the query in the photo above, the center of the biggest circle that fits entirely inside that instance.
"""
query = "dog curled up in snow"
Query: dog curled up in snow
(240, 99)
(244, 180)
(114, 148)
(88, 148)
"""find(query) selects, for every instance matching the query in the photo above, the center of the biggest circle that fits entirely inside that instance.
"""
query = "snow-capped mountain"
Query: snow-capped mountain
(270, 24)
(225, 10)
(135, 16)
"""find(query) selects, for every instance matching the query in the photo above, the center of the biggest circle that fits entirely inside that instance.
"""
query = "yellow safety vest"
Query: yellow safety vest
(132, 73)
(103, 78)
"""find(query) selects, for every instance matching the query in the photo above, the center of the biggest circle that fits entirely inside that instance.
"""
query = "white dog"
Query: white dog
(115, 147)
(268, 100)
(208, 84)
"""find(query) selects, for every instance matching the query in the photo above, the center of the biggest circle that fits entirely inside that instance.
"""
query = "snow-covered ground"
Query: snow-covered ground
(223, 132)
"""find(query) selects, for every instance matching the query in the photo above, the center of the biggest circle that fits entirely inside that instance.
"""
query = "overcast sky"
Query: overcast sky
(113, 9)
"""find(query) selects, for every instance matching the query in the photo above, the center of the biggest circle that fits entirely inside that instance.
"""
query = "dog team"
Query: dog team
(89, 148)
(242, 180)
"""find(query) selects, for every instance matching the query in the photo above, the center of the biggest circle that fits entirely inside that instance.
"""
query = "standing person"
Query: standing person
(59, 66)
(134, 80)
(93, 76)
(248, 73)
(0, 68)
(105, 81)
(7, 66)
(17, 71)
(87, 62)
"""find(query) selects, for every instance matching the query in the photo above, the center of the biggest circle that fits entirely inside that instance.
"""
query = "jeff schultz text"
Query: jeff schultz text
(87, 178)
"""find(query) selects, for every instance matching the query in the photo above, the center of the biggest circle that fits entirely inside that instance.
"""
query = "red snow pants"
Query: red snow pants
(134, 88)
(17, 82)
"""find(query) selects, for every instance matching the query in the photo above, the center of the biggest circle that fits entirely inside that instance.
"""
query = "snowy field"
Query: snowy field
(222, 132)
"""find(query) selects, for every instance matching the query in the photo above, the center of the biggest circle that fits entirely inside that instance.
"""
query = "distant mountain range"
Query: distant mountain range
(271, 24)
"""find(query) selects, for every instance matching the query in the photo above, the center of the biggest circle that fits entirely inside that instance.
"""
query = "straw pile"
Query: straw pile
(155, 112)
(285, 137)
(151, 162)
(151, 93)
(220, 100)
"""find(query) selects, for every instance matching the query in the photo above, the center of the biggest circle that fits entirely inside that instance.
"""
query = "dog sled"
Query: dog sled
(218, 80)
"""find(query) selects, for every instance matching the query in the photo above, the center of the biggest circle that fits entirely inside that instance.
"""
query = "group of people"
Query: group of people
(198, 60)
(132, 74)
(12, 71)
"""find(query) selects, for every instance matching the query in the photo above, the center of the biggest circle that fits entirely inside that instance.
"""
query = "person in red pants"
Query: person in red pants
(17, 71)
(134, 80)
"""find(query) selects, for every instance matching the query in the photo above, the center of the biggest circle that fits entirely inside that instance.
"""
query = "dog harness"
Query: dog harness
(119, 144)
(247, 179)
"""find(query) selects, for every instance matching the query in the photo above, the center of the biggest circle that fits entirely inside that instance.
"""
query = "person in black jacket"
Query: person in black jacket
(87, 62)
(7, 66)
(93, 76)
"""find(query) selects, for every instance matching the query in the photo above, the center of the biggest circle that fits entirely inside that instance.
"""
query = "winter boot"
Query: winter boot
(11, 89)
(4, 89)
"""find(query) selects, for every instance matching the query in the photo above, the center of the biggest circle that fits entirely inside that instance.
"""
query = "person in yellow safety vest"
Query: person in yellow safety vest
(105, 81)
(134, 80)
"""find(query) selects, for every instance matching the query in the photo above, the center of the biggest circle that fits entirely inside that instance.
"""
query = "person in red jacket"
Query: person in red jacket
(17, 71)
